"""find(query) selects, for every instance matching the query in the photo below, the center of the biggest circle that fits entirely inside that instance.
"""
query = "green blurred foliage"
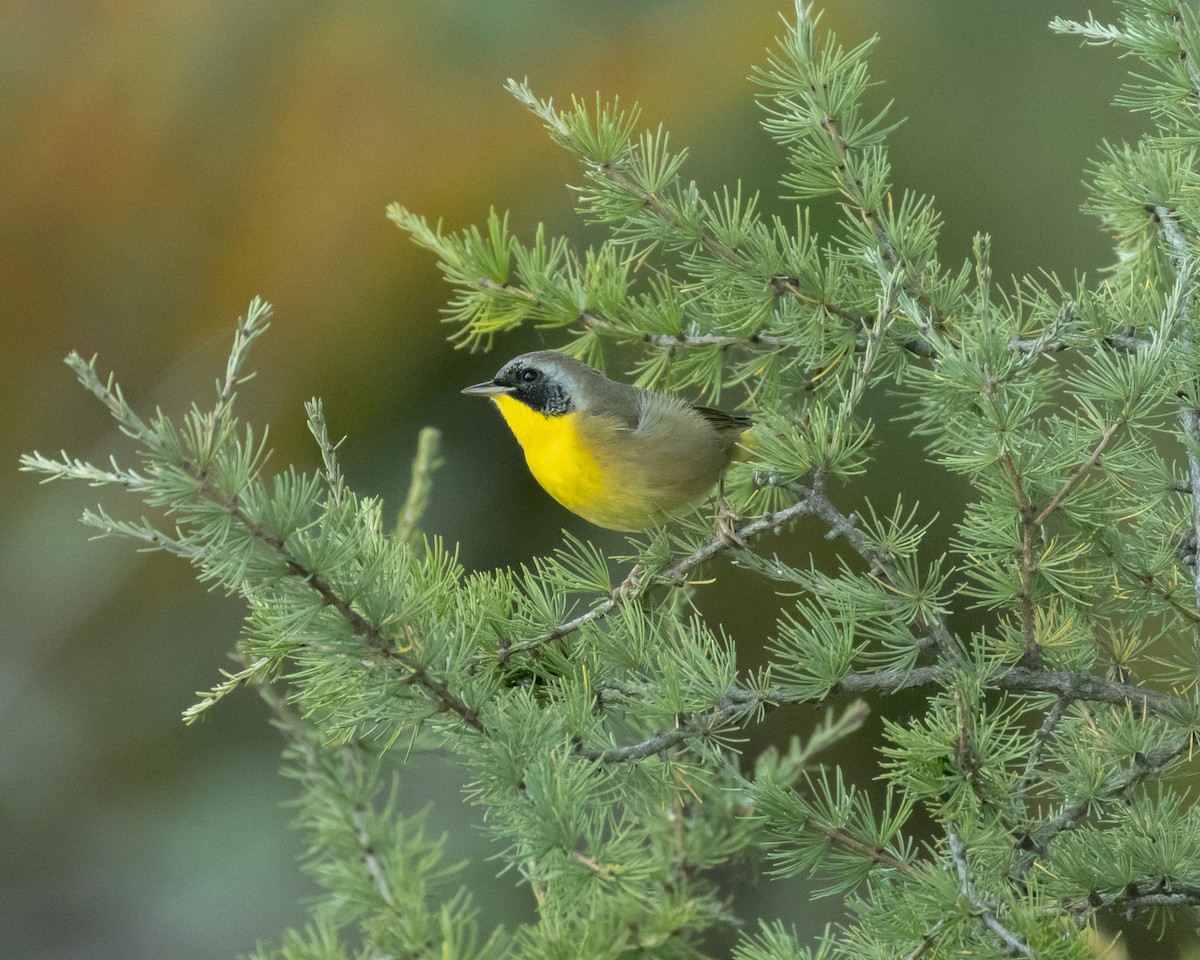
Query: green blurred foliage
(161, 163)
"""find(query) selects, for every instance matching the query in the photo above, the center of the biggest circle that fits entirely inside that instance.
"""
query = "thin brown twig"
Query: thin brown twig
(590, 319)
(842, 839)
(1079, 473)
(852, 186)
(1028, 532)
(927, 941)
(1165, 593)
(652, 202)
(605, 872)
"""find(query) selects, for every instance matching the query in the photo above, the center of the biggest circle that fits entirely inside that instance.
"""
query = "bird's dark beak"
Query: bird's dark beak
(486, 389)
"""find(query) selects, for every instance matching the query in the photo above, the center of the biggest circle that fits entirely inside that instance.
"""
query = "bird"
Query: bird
(621, 457)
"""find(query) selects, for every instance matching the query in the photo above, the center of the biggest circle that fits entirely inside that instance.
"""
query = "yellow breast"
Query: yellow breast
(562, 460)
(616, 476)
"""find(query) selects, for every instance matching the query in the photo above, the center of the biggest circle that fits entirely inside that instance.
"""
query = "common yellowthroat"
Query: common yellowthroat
(618, 456)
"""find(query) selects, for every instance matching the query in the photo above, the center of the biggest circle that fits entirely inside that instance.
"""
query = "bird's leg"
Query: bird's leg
(726, 519)
(631, 582)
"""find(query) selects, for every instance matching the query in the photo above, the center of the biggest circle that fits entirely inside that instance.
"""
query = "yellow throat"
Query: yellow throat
(564, 462)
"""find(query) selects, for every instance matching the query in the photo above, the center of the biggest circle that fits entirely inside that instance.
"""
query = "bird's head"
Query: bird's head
(548, 382)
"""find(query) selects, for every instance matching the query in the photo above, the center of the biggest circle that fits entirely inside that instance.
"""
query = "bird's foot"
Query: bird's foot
(727, 522)
(630, 583)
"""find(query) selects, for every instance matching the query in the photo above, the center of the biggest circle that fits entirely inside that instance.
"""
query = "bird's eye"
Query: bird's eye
(529, 375)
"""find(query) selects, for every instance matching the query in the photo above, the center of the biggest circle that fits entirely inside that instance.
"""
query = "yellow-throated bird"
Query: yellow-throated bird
(619, 456)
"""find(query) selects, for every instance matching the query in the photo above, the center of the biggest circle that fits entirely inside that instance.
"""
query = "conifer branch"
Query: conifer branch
(375, 638)
(511, 290)
(852, 187)
(675, 575)
(1185, 55)
(737, 703)
(252, 326)
(1030, 524)
(1172, 234)
(1164, 593)
(840, 838)
(1033, 651)
(395, 873)
(1189, 417)
(652, 202)
(859, 682)
(881, 565)
(673, 341)
(741, 702)
(370, 856)
(144, 532)
(1078, 473)
(1025, 508)
(779, 284)
(72, 468)
(1145, 766)
(1054, 339)
(420, 483)
(1068, 685)
(1041, 738)
(1072, 685)
(304, 743)
(812, 501)
(590, 319)
(1184, 264)
(1144, 895)
(1124, 341)
(927, 941)
(320, 431)
(986, 912)
(1031, 345)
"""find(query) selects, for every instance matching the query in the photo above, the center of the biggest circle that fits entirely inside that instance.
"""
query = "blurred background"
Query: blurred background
(162, 163)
